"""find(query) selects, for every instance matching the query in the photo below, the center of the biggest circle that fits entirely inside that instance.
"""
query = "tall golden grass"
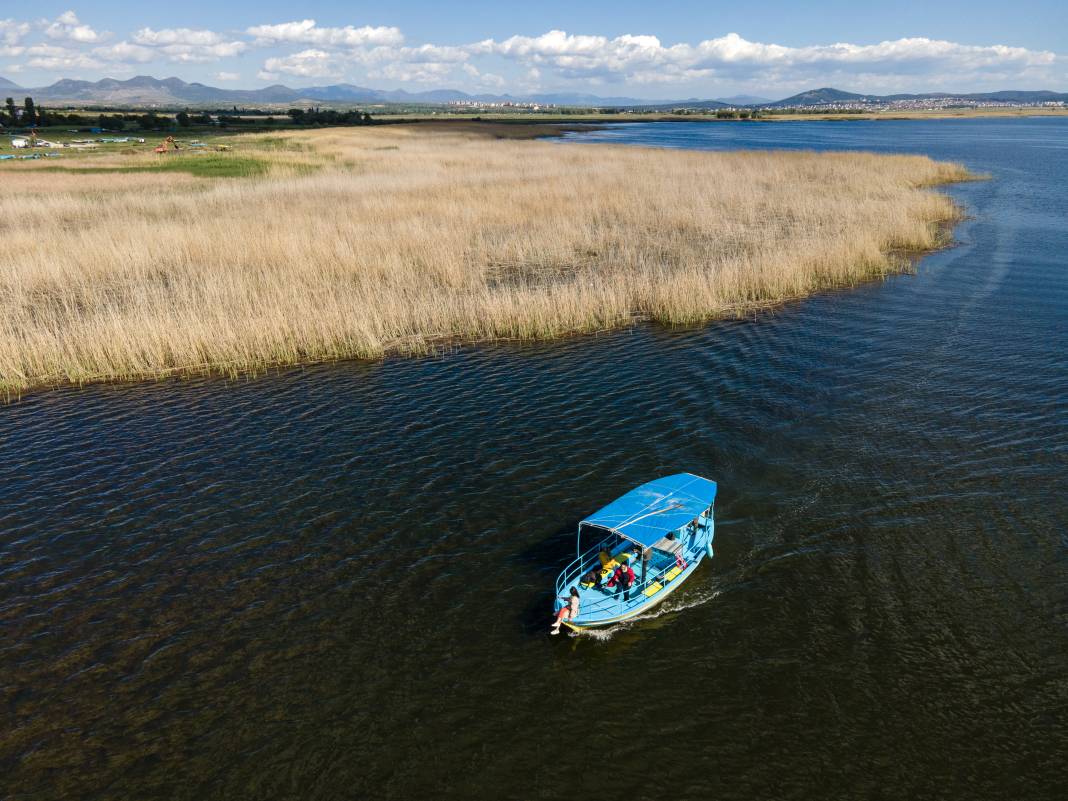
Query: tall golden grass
(406, 237)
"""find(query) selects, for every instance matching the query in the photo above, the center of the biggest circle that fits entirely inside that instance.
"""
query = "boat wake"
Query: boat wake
(668, 607)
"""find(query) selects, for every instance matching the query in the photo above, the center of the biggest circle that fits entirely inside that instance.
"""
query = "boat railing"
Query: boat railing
(614, 603)
(570, 574)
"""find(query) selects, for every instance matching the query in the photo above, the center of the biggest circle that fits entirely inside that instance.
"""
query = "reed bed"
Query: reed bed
(356, 243)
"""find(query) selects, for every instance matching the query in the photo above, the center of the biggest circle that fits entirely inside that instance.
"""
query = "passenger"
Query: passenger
(569, 611)
(593, 578)
(624, 577)
(604, 557)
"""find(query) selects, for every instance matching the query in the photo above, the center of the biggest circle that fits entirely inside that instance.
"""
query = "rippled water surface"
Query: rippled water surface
(335, 582)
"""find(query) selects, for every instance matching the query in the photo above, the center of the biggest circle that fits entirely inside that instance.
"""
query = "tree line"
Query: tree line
(315, 116)
(30, 115)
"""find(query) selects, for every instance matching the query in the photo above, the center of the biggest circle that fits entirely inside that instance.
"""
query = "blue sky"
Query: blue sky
(659, 49)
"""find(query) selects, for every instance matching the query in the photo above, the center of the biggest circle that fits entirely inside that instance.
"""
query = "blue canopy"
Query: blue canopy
(646, 513)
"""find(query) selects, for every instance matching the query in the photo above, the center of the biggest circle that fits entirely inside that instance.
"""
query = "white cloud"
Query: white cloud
(303, 49)
(898, 55)
(423, 64)
(627, 57)
(188, 45)
(305, 64)
(68, 27)
(425, 72)
(124, 52)
(56, 59)
(307, 32)
(202, 53)
(644, 59)
(11, 31)
(484, 78)
(227, 76)
(170, 36)
(423, 54)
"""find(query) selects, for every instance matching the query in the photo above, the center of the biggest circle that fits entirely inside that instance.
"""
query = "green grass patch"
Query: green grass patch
(276, 143)
(212, 165)
(208, 165)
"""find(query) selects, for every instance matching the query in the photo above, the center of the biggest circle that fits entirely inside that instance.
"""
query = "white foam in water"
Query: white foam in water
(667, 607)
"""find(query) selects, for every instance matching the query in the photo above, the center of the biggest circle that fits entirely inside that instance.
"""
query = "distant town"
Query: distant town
(173, 94)
(862, 105)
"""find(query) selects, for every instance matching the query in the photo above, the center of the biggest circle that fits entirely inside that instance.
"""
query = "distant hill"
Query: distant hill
(359, 94)
(691, 103)
(744, 100)
(349, 93)
(819, 97)
(145, 90)
(816, 97)
(1009, 96)
(342, 93)
(577, 99)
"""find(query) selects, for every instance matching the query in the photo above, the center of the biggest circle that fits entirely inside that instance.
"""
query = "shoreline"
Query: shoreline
(464, 238)
(821, 116)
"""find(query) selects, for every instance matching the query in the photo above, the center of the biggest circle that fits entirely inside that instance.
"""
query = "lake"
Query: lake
(336, 582)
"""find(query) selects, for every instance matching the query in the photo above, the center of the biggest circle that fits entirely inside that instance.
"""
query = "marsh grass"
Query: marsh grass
(357, 243)
(206, 165)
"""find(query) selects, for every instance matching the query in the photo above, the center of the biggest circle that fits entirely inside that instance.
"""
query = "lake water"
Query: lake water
(335, 582)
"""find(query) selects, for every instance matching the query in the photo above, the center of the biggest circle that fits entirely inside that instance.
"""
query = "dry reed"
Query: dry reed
(406, 237)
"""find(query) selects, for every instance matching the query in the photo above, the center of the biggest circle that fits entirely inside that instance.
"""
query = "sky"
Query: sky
(657, 50)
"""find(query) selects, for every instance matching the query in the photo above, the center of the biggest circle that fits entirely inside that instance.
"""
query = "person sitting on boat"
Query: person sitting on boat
(624, 578)
(593, 578)
(569, 611)
(607, 563)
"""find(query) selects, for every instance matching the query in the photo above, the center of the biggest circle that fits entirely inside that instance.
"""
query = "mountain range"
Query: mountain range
(826, 96)
(145, 90)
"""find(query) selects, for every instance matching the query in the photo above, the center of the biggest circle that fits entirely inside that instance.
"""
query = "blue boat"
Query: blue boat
(661, 530)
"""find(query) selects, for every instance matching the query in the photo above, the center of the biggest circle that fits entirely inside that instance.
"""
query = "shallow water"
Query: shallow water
(335, 582)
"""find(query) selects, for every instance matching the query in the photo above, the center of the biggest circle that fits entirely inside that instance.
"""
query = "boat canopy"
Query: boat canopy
(645, 514)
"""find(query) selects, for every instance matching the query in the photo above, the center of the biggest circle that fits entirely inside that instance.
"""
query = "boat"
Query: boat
(661, 529)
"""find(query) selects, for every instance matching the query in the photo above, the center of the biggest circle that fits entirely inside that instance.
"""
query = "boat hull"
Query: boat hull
(639, 609)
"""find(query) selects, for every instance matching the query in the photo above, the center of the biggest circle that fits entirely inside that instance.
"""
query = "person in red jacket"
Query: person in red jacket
(624, 579)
